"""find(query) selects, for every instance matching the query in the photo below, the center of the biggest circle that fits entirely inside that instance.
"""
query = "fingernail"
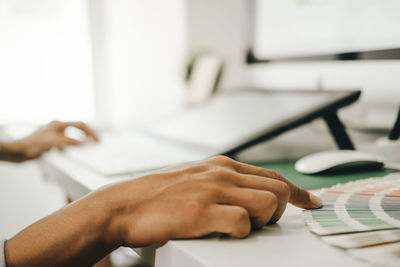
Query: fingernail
(316, 201)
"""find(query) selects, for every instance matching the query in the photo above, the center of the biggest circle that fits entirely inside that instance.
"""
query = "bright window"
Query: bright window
(45, 61)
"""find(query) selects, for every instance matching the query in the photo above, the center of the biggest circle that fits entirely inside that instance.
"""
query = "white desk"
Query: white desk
(287, 243)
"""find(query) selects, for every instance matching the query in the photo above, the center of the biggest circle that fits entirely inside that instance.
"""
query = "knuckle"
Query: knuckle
(241, 222)
(243, 232)
(273, 174)
(54, 123)
(205, 191)
(269, 201)
(273, 200)
(218, 174)
(241, 216)
(284, 191)
(201, 168)
(194, 208)
(224, 160)
(298, 194)
(276, 175)
(211, 192)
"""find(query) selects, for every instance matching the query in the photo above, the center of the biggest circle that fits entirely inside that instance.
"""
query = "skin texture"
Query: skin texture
(49, 136)
(190, 200)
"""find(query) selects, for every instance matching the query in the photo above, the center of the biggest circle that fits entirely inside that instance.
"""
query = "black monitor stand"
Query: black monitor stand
(338, 131)
(327, 112)
(395, 132)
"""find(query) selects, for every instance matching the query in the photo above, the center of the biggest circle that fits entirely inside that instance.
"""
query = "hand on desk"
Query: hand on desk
(190, 200)
(47, 137)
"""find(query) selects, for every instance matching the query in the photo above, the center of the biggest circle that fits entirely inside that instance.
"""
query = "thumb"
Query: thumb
(68, 141)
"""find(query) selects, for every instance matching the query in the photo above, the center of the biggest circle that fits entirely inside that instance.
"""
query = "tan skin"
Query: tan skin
(218, 195)
(47, 137)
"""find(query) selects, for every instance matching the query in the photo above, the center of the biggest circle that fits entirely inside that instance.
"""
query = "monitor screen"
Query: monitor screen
(302, 28)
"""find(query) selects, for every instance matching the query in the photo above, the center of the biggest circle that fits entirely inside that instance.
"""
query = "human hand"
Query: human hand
(195, 199)
(191, 200)
(47, 137)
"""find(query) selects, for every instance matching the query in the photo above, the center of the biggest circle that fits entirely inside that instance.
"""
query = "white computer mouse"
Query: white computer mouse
(75, 133)
(337, 160)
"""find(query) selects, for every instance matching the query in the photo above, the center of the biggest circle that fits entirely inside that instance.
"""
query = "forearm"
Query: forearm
(13, 151)
(74, 236)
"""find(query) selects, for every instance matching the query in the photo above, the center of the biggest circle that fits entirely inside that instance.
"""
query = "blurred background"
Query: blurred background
(102, 56)
(122, 63)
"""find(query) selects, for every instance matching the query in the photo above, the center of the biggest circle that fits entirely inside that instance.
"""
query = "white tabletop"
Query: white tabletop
(287, 243)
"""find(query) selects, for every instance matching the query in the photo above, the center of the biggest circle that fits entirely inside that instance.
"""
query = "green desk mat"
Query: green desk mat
(286, 168)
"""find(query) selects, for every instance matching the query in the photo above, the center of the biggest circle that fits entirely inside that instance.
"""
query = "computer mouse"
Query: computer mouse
(337, 161)
(75, 133)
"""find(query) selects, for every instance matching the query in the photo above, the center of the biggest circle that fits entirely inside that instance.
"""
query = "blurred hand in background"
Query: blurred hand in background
(47, 137)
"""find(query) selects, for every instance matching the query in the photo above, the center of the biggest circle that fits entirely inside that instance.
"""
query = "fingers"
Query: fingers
(80, 125)
(298, 196)
(261, 206)
(280, 189)
(84, 128)
(70, 142)
(227, 219)
(65, 141)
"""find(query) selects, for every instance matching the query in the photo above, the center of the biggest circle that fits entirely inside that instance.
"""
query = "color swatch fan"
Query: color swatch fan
(360, 214)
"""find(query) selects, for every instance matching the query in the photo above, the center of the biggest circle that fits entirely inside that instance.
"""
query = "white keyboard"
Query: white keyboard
(117, 154)
(223, 123)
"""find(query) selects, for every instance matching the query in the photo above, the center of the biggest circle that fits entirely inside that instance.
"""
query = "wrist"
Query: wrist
(119, 212)
(81, 227)
(105, 214)
(14, 149)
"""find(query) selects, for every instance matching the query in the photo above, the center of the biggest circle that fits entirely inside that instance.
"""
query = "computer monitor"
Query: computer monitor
(325, 29)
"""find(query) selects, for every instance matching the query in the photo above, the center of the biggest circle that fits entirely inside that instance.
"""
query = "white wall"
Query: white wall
(45, 74)
(225, 28)
(220, 27)
(227, 32)
(45, 61)
(139, 56)
(379, 81)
